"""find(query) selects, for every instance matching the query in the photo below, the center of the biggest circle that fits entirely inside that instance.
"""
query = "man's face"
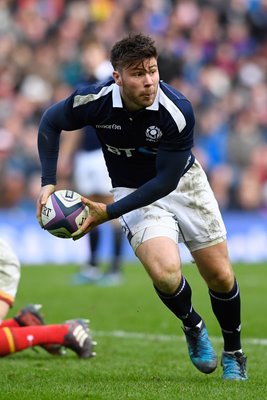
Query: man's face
(138, 84)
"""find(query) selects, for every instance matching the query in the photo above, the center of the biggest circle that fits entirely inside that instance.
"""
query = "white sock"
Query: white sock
(233, 352)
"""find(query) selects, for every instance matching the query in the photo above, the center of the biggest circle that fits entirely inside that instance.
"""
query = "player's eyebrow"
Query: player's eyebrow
(140, 66)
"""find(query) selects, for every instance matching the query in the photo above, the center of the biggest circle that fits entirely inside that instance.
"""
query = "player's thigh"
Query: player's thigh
(9, 273)
(147, 222)
(4, 308)
(197, 210)
(153, 234)
(160, 257)
(214, 265)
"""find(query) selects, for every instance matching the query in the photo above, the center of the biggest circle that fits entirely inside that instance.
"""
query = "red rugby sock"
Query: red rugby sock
(13, 340)
(9, 322)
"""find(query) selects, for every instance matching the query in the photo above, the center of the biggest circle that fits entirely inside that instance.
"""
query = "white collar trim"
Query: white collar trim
(117, 101)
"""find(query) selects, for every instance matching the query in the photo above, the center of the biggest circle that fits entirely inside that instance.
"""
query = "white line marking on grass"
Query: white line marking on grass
(167, 338)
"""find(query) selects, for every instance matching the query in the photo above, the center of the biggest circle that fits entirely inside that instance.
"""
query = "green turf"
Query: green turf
(141, 352)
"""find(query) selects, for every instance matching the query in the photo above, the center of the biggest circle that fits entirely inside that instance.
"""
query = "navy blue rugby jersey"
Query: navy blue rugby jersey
(149, 149)
(130, 141)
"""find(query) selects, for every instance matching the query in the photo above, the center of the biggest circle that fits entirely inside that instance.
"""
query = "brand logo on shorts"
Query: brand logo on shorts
(153, 133)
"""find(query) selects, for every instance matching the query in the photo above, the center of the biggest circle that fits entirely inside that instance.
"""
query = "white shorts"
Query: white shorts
(9, 273)
(90, 173)
(190, 214)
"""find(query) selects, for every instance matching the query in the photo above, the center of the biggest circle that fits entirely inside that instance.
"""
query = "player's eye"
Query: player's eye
(138, 73)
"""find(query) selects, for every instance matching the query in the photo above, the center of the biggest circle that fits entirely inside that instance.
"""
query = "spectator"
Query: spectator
(217, 55)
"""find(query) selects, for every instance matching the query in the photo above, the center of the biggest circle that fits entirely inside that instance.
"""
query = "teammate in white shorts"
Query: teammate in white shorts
(90, 175)
(27, 329)
(91, 179)
(161, 193)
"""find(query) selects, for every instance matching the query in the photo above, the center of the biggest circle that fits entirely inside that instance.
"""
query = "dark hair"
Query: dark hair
(131, 50)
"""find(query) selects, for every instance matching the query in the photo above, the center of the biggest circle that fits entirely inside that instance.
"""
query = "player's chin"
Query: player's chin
(147, 102)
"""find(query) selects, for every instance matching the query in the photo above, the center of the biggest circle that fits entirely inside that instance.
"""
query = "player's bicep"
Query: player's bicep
(57, 118)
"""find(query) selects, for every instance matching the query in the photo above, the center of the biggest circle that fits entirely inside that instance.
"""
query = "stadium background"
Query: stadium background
(214, 52)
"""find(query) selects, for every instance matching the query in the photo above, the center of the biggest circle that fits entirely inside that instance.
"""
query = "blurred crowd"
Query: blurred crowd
(215, 52)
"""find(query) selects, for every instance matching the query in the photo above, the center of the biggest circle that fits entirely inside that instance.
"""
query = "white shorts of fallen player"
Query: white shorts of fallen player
(90, 173)
(190, 214)
(9, 273)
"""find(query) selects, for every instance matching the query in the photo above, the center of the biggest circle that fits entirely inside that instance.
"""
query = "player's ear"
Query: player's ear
(117, 77)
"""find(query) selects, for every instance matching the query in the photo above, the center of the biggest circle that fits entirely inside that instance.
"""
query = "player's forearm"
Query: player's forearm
(48, 147)
(52, 123)
(171, 167)
(145, 195)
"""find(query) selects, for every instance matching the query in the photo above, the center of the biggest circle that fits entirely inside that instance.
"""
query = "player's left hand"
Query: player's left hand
(45, 192)
(97, 215)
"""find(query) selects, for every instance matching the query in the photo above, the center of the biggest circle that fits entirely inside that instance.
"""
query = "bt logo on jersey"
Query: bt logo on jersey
(120, 151)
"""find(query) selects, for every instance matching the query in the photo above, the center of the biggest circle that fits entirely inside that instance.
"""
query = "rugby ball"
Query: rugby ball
(63, 213)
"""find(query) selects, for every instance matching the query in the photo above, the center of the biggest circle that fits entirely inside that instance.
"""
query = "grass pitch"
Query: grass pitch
(141, 351)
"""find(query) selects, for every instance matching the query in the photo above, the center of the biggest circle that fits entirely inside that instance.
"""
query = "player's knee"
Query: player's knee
(221, 280)
(4, 308)
(167, 278)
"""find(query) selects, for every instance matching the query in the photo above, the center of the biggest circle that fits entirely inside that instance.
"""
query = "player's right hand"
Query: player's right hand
(97, 215)
(45, 192)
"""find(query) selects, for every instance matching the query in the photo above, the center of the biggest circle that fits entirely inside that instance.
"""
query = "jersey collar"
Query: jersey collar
(117, 101)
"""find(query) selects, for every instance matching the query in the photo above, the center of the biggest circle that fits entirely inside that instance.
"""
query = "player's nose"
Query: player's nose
(148, 79)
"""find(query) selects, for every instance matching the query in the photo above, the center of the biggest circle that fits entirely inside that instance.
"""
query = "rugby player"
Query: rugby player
(27, 328)
(162, 196)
